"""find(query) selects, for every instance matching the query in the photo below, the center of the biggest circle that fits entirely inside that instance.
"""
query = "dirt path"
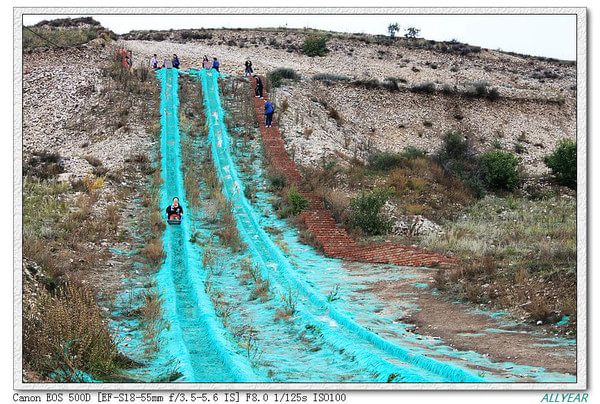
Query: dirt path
(462, 328)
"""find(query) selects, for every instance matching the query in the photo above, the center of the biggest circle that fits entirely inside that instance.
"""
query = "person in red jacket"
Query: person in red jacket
(175, 211)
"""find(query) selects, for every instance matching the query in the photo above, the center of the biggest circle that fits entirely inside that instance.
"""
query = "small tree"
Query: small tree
(500, 170)
(297, 201)
(393, 28)
(315, 46)
(412, 32)
(366, 211)
(563, 163)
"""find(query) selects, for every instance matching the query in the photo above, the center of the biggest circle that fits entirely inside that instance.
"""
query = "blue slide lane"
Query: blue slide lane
(204, 349)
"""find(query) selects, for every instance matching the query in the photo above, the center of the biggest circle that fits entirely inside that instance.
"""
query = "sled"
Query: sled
(174, 221)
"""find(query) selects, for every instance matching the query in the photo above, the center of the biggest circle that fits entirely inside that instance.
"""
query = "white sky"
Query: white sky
(539, 35)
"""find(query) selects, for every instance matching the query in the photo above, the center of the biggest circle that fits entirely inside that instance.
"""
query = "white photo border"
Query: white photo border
(582, 274)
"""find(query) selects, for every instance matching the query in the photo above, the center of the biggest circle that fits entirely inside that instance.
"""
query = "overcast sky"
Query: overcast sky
(539, 35)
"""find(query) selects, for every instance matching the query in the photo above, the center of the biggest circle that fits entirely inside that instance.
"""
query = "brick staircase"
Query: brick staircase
(320, 221)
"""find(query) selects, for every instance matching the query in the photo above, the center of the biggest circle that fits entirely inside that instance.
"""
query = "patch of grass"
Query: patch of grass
(530, 248)
(151, 316)
(57, 37)
(289, 301)
(275, 77)
(229, 236)
(385, 161)
(412, 152)
(278, 181)
(65, 336)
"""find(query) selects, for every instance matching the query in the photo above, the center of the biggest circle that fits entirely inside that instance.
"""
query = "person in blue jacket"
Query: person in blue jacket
(269, 110)
(215, 64)
(175, 61)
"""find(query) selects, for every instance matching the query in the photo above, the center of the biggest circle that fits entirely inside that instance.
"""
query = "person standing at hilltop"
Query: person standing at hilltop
(269, 110)
(259, 87)
(167, 64)
(215, 64)
(175, 61)
(154, 62)
(207, 64)
(248, 71)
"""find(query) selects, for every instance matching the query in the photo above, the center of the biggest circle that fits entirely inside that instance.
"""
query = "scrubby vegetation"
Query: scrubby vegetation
(500, 170)
(522, 255)
(315, 46)
(71, 340)
(366, 212)
(66, 227)
(36, 38)
(511, 243)
(563, 163)
(275, 77)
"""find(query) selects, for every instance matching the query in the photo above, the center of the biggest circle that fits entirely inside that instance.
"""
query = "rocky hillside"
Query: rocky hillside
(381, 95)
(384, 95)
(69, 109)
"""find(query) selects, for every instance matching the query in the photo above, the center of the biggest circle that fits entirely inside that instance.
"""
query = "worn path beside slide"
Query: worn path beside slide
(320, 221)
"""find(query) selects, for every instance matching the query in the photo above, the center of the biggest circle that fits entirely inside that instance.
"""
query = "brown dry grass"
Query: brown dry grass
(65, 335)
(154, 253)
(524, 268)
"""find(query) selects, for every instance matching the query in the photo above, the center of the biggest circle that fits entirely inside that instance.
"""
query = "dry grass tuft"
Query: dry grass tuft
(154, 253)
(65, 335)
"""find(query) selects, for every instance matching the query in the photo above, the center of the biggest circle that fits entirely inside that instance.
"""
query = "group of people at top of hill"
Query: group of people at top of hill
(214, 64)
(208, 64)
(174, 62)
(167, 63)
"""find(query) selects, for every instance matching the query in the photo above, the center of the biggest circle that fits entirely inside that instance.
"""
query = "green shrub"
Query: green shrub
(275, 77)
(563, 163)
(315, 46)
(500, 170)
(366, 211)
(424, 87)
(278, 181)
(330, 77)
(519, 148)
(369, 84)
(454, 147)
(413, 152)
(385, 161)
(297, 201)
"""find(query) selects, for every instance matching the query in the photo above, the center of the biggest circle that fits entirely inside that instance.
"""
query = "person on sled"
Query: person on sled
(174, 211)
